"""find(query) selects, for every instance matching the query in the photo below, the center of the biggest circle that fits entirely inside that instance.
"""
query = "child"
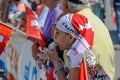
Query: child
(75, 34)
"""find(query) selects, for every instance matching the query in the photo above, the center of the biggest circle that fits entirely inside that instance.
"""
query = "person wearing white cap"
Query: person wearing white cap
(75, 34)
(103, 46)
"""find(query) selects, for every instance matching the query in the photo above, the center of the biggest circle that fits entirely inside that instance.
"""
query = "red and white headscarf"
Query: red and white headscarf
(81, 28)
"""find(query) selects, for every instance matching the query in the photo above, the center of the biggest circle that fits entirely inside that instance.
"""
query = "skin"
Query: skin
(64, 7)
(112, 8)
(38, 1)
(13, 21)
(22, 25)
(4, 10)
(50, 4)
(64, 41)
(35, 50)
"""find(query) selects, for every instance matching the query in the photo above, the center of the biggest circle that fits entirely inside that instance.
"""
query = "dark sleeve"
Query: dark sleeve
(34, 6)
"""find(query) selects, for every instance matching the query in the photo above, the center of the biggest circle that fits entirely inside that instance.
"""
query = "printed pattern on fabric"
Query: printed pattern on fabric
(95, 70)
(81, 28)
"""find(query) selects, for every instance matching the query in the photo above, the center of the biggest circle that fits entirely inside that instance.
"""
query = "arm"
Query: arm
(2, 5)
(53, 57)
(35, 50)
(111, 3)
(53, 31)
(112, 7)
(73, 75)
(59, 73)
(5, 11)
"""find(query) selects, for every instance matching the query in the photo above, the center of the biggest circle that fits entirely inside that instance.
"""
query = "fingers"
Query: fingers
(52, 46)
(35, 51)
(40, 63)
(52, 54)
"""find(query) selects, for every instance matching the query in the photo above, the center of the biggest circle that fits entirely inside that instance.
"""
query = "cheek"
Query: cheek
(61, 43)
(57, 39)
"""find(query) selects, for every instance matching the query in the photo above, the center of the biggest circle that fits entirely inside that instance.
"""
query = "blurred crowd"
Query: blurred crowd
(48, 14)
(12, 11)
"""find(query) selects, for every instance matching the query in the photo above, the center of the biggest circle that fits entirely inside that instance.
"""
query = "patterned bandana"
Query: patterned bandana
(81, 28)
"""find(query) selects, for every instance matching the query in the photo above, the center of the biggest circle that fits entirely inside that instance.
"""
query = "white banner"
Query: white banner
(19, 62)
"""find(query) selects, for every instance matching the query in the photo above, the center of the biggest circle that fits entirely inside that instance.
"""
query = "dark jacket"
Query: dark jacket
(116, 4)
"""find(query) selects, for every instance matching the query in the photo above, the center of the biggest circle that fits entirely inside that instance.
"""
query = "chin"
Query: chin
(61, 48)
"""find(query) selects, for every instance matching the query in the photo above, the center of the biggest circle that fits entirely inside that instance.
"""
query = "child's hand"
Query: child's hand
(35, 51)
(52, 53)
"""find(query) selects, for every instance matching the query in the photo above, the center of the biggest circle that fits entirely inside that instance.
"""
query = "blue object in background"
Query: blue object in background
(2, 66)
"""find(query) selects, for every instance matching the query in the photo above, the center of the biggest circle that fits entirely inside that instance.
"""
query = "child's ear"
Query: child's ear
(71, 37)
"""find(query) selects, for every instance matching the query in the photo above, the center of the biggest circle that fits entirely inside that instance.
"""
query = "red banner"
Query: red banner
(5, 33)
(32, 27)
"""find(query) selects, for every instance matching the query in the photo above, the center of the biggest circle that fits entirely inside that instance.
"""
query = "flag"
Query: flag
(83, 73)
(32, 26)
(5, 33)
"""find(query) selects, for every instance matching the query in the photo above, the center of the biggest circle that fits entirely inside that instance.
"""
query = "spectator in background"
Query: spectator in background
(118, 78)
(15, 9)
(4, 5)
(51, 18)
(115, 5)
(48, 32)
(41, 11)
(22, 17)
(30, 3)
(1, 11)
(104, 53)
(54, 12)
(27, 2)
(97, 7)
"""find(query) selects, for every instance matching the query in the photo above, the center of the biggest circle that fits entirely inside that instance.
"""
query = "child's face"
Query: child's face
(61, 38)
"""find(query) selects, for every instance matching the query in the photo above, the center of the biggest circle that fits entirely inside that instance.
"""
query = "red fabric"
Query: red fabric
(83, 74)
(5, 33)
(32, 26)
(49, 74)
(78, 20)
(38, 9)
(114, 19)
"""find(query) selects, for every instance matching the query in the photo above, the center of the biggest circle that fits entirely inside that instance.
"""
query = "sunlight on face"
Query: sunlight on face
(60, 38)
